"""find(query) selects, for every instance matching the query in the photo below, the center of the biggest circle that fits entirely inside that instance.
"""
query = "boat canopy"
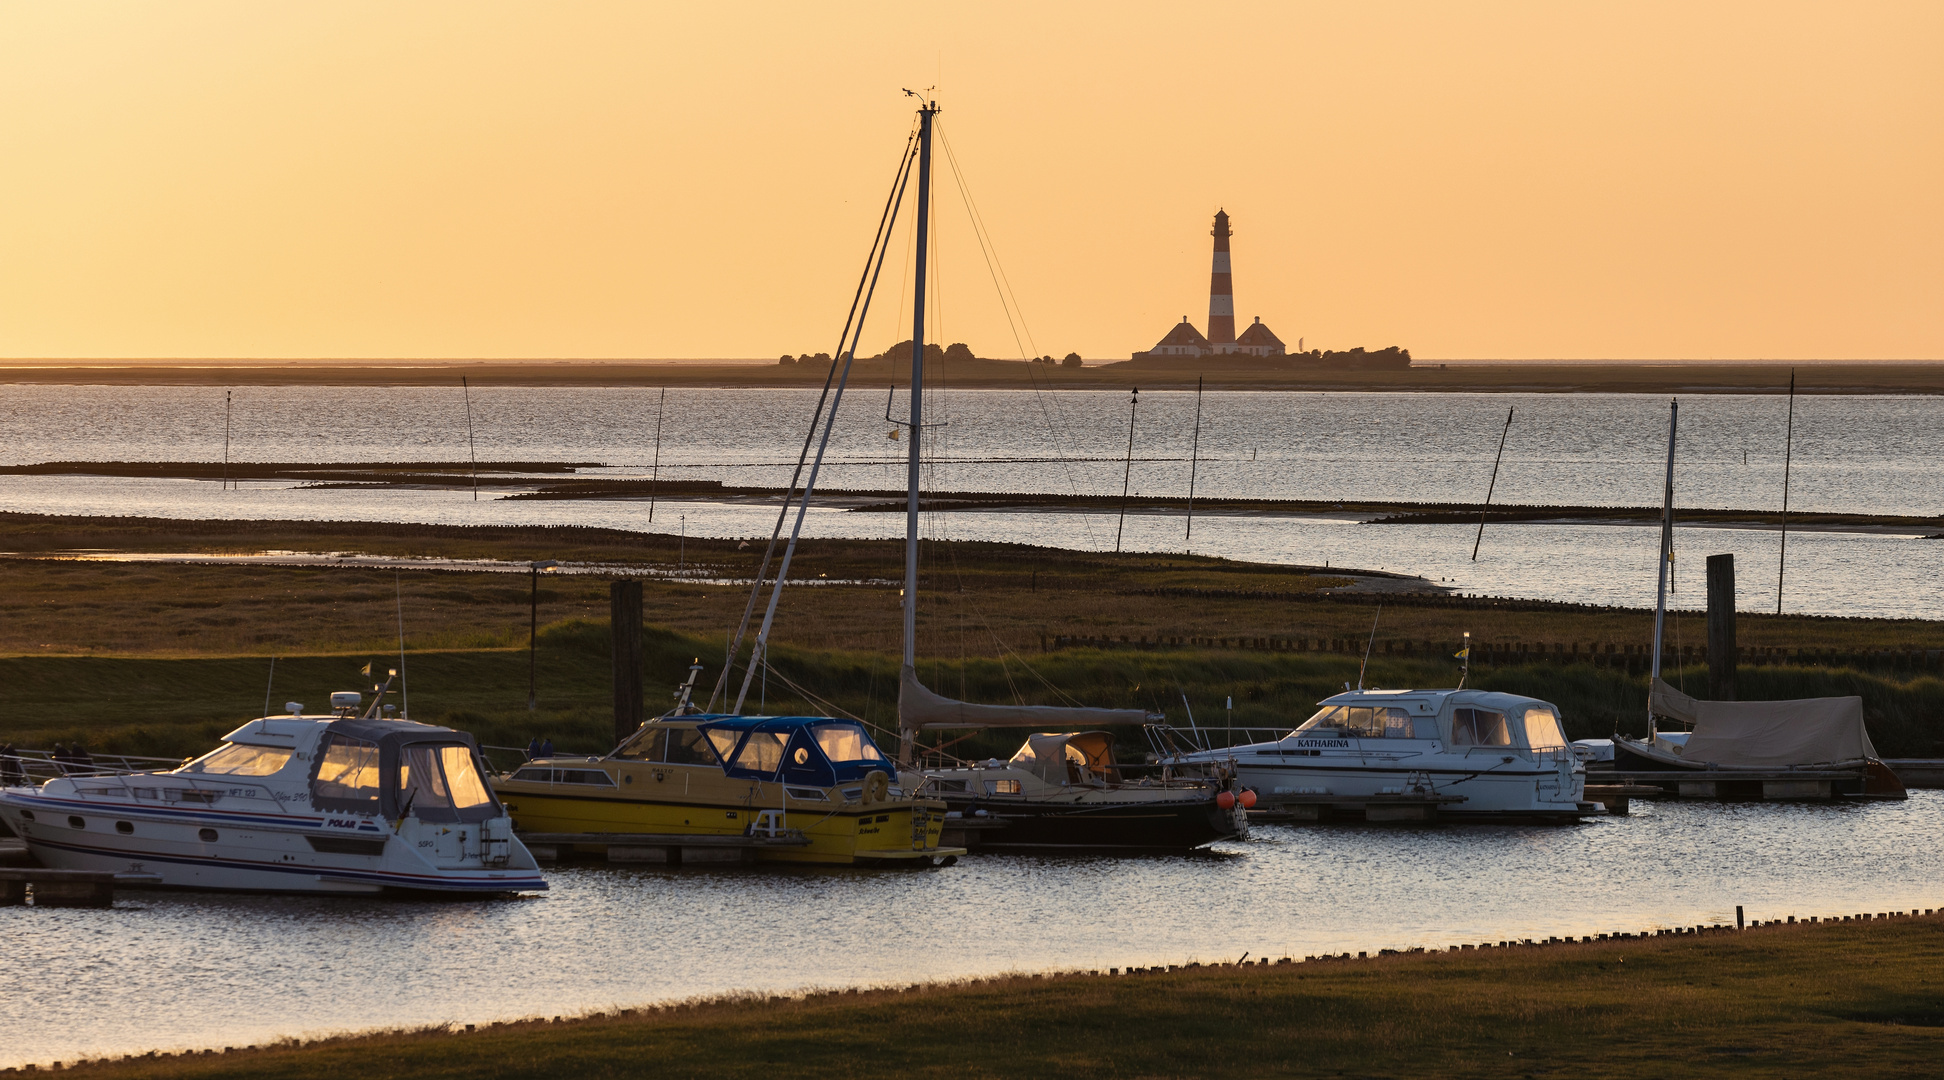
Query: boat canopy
(921, 709)
(1767, 734)
(1080, 758)
(816, 751)
(398, 768)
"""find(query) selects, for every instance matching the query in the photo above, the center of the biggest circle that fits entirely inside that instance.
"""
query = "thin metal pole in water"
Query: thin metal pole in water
(533, 642)
(1492, 486)
(1194, 461)
(681, 552)
(227, 413)
(1127, 476)
(466, 388)
(404, 688)
(1666, 556)
(268, 686)
(1788, 455)
(654, 477)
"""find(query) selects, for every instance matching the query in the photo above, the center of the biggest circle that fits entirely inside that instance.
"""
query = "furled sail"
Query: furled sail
(919, 708)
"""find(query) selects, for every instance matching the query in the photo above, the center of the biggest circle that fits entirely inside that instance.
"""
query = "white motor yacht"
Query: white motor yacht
(1474, 754)
(344, 803)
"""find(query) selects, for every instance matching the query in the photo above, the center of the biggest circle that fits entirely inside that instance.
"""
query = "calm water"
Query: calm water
(192, 971)
(1861, 454)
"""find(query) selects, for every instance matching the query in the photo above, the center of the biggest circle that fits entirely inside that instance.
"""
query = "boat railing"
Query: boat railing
(35, 767)
(192, 788)
(518, 754)
(1167, 740)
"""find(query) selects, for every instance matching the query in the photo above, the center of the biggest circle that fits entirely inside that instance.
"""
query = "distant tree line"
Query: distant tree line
(956, 352)
(1391, 359)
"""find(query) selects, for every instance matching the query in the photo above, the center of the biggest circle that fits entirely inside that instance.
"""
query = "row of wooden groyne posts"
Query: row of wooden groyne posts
(1636, 659)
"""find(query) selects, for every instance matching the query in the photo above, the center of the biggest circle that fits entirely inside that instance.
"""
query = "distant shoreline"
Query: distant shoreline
(1461, 376)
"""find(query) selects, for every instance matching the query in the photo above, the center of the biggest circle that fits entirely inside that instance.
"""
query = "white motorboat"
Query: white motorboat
(342, 803)
(1472, 754)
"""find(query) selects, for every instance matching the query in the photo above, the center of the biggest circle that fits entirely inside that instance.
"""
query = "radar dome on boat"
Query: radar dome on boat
(346, 699)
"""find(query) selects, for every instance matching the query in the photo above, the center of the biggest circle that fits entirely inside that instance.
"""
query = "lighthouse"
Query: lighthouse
(1221, 291)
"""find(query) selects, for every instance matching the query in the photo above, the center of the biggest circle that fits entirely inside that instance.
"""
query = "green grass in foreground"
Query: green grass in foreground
(1848, 1000)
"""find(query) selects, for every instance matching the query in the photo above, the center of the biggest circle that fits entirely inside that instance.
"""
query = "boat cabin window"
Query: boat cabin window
(688, 746)
(235, 759)
(762, 751)
(845, 742)
(1479, 727)
(347, 774)
(1365, 722)
(1542, 729)
(649, 744)
(724, 742)
(440, 782)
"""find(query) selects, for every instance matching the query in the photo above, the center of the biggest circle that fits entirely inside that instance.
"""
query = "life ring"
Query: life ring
(877, 786)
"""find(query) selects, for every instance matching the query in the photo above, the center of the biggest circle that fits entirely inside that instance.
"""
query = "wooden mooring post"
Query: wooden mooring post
(1721, 627)
(624, 620)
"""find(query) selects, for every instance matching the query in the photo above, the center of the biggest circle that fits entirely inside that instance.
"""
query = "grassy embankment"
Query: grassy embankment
(161, 659)
(1847, 1000)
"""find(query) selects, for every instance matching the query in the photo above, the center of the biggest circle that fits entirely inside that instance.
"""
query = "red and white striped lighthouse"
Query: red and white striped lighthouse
(1221, 292)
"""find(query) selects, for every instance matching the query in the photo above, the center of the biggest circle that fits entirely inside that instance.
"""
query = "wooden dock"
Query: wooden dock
(1740, 785)
(1618, 797)
(1407, 806)
(667, 849)
(966, 832)
(1918, 772)
(65, 888)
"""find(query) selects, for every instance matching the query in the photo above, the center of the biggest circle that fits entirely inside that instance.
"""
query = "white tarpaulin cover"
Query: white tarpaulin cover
(920, 708)
(1767, 734)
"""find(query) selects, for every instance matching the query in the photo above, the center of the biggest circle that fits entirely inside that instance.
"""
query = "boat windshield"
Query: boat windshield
(1369, 722)
(235, 759)
(688, 746)
(845, 742)
(347, 775)
(1542, 729)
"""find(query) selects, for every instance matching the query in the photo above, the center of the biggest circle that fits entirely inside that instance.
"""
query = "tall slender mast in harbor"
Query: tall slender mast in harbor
(907, 737)
(1666, 560)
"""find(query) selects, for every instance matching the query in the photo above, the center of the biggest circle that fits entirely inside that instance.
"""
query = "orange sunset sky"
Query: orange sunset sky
(664, 180)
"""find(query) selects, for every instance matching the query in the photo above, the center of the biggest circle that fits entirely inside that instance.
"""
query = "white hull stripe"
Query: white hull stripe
(377, 877)
(138, 810)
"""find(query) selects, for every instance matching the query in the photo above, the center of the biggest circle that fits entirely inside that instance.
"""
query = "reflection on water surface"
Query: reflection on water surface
(187, 970)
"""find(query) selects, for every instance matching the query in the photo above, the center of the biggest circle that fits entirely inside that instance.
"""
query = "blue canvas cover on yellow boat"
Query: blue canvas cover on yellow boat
(815, 751)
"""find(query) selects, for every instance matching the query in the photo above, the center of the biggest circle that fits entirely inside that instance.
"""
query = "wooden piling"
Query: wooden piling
(1721, 627)
(624, 617)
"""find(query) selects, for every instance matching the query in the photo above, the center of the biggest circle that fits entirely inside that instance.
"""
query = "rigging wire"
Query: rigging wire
(758, 653)
(886, 220)
(1002, 284)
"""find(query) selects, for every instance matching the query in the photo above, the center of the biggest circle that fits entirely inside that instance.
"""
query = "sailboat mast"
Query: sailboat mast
(913, 448)
(1666, 556)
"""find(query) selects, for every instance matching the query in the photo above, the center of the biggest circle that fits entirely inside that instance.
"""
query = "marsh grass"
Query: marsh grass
(1843, 1000)
(163, 658)
(178, 706)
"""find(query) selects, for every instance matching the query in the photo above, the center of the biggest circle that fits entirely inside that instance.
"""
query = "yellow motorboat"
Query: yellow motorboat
(812, 789)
